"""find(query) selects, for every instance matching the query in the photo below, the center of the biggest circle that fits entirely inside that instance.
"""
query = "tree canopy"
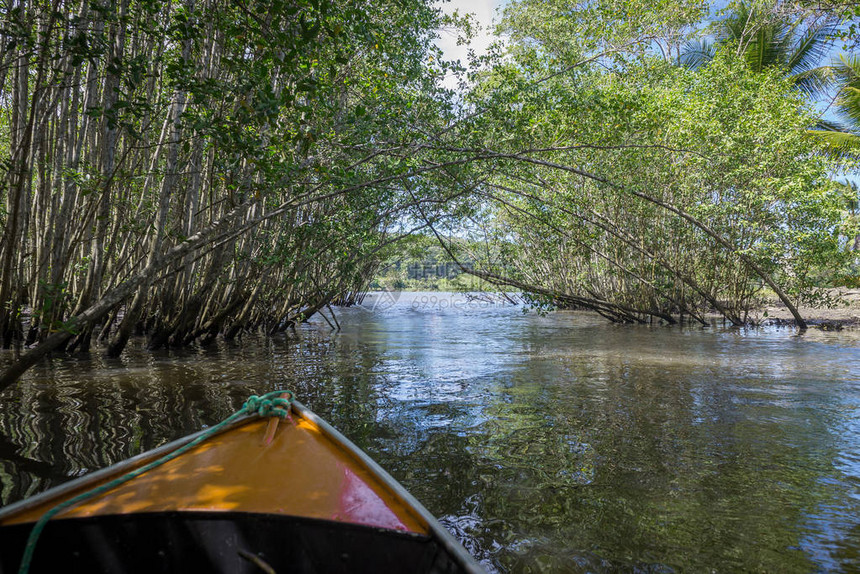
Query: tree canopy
(199, 169)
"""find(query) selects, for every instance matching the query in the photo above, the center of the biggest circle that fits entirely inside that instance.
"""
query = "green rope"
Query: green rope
(268, 405)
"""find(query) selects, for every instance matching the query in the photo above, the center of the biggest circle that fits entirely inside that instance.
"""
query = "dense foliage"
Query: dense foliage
(641, 189)
(194, 168)
(200, 168)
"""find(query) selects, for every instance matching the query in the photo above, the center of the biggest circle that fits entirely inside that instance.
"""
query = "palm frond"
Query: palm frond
(848, 103)
(811, 48)
(846, 71)
(814, 82)
(829, 126)
(696, 54)
(847, 68)
(838, 144)
(759, 52)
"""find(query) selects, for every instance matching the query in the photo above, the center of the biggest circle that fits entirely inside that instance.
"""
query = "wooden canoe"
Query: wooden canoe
(300, 499)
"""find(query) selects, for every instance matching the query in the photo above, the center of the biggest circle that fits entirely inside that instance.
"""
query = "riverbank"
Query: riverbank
(845, 314)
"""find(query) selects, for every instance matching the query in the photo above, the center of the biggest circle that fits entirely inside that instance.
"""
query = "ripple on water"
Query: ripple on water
(555, 443)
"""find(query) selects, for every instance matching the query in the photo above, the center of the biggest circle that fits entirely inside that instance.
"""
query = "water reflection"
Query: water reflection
(545, 443)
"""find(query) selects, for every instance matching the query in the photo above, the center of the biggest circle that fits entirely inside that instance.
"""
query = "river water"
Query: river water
(553, 442)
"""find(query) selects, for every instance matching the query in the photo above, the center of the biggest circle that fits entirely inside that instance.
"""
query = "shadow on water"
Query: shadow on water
(554, 443)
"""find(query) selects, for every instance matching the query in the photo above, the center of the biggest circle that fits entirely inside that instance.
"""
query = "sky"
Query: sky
(484, 11)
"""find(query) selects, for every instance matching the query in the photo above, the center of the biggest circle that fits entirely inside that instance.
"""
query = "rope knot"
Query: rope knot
(269, 405)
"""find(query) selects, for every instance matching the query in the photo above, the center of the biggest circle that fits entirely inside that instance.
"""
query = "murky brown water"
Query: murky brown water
(556, 443)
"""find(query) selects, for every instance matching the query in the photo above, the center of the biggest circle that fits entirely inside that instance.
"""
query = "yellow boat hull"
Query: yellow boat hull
(253, 496)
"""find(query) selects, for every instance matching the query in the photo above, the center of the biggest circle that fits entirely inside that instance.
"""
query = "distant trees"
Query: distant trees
(419, 263)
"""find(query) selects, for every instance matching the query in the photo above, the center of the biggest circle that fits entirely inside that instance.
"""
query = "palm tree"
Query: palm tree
(770, 39)
(842, 137)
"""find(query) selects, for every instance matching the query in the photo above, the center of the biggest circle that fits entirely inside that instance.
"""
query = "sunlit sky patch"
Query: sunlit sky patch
(484, 11)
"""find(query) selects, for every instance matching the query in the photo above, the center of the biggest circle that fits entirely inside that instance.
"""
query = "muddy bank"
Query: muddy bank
(845, 314)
